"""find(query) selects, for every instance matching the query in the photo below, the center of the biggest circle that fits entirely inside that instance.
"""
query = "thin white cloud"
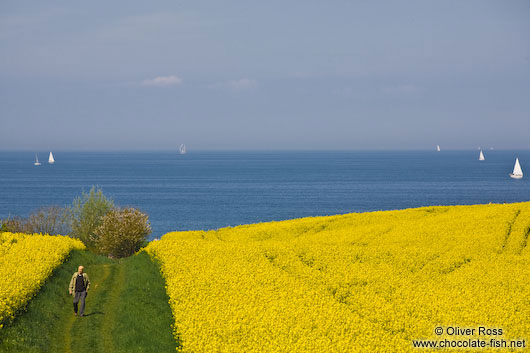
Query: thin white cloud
(401, 89)
(243, 83)
(163, 81)
(236, 85)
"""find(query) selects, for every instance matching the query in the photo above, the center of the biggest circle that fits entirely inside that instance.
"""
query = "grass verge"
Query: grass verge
(127, 310)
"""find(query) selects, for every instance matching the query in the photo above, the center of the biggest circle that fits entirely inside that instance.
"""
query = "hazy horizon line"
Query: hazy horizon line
(265, 150)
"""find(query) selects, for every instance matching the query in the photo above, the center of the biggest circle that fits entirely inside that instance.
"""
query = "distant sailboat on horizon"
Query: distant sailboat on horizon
(438, 148)
(36, 160)
(481, 156)
(182, 149)
(517, 171)
(51, 160)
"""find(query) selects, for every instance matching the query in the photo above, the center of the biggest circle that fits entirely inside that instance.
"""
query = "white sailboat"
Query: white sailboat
(517, 171)
(36, 160)
(438, 148)
(481, 156)
(50, 159)
(182, 149)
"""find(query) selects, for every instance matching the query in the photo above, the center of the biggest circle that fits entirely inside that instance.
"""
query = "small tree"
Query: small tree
(122, 232)
(87, 212)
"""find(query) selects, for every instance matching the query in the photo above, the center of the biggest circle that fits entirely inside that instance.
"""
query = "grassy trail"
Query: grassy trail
(111, 300)
(101, 274)
(126, 310)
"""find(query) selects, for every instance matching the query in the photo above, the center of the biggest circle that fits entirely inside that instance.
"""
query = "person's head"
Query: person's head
(80, 269)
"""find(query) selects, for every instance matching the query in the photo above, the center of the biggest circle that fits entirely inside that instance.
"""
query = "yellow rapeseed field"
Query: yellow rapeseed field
(370, 282)
(25, 263)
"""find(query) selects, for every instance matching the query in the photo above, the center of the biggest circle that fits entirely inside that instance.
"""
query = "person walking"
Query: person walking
(79, 285)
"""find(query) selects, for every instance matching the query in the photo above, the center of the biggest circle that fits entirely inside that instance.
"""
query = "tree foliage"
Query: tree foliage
(93, 219)
(122, 232)
(87, 212)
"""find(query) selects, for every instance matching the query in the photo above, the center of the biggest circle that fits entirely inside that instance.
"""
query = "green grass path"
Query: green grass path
(126, 310)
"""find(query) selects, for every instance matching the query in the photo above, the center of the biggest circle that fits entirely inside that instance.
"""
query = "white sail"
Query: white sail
(36, 160)
(517, 168)
(481, 156)
(438, 148)
(182, 149)
(50, 159)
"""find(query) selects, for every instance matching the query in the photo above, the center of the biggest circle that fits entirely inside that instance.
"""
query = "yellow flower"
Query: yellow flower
(26, 261)
(370, 282)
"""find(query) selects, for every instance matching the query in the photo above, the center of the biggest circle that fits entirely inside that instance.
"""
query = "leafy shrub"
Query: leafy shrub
(122, 232)
(87, 212)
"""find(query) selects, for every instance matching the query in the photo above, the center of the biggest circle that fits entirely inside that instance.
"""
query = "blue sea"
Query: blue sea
(207, 190)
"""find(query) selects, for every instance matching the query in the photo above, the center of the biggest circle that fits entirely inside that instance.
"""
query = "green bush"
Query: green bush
(86, 214)
(122, 232)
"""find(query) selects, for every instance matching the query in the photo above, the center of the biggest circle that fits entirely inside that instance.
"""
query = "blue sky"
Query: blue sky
(264, 74)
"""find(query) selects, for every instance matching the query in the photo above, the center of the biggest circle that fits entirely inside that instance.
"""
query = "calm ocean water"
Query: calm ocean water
(206, 190)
